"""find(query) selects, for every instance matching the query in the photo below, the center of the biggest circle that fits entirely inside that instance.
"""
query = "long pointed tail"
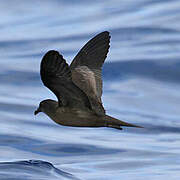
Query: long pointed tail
(116, 123)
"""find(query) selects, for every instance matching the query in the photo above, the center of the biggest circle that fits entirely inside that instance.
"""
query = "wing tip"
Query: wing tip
(53, 64)
(50, 53)
(106, 33)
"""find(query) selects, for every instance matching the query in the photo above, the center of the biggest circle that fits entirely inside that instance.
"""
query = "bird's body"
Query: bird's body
(78, 87)
(79, 118)
(75, 117)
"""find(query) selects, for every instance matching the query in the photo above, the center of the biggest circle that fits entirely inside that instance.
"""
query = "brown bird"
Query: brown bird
(78, 87)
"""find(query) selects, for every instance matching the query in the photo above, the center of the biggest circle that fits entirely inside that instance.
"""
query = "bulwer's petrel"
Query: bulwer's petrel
(78, 87)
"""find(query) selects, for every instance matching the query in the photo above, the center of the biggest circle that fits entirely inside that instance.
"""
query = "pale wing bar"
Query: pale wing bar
(88, 65)
(93, 55)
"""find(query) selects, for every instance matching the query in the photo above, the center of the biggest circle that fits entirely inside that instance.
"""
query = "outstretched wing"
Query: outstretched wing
(86, 69)
(56, 75)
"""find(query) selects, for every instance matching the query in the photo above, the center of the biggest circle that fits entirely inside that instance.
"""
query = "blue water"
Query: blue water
(141, 86)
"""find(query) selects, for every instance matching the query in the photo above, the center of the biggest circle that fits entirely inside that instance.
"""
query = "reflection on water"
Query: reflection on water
(141, 86)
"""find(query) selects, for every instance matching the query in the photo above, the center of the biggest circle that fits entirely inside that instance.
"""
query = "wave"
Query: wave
(32, 170)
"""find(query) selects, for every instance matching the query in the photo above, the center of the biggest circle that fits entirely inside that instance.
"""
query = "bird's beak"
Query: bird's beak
(37, 111)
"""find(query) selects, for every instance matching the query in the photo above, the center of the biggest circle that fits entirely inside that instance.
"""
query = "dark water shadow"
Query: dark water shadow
(142, 68)
(20, 78)
(157, 129)
(53, 149)
(15, 140)
(111, 71)
(70, 149)
(14, 108)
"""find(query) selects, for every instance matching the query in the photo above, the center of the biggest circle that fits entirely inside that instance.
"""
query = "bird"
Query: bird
(78, 86)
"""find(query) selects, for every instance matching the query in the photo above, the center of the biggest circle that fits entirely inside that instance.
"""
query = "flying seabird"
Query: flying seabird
(78, 87)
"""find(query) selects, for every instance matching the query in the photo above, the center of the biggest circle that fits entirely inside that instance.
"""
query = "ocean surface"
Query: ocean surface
(141, 86)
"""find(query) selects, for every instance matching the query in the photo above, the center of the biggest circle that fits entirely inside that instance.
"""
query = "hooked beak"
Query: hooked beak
(37, 111)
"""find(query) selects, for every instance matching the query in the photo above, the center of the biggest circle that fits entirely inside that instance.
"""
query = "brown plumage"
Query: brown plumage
(78, 87)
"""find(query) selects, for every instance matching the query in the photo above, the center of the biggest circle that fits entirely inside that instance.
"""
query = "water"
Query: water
(141, 86)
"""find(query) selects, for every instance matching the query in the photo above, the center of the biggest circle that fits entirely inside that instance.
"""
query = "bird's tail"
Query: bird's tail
(116, 123)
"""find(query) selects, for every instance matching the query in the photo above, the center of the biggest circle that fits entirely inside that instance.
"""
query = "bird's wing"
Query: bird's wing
(56, 75)
(86, 69)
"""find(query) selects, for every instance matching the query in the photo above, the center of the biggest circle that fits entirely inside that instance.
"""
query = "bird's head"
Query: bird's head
(46, 106)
